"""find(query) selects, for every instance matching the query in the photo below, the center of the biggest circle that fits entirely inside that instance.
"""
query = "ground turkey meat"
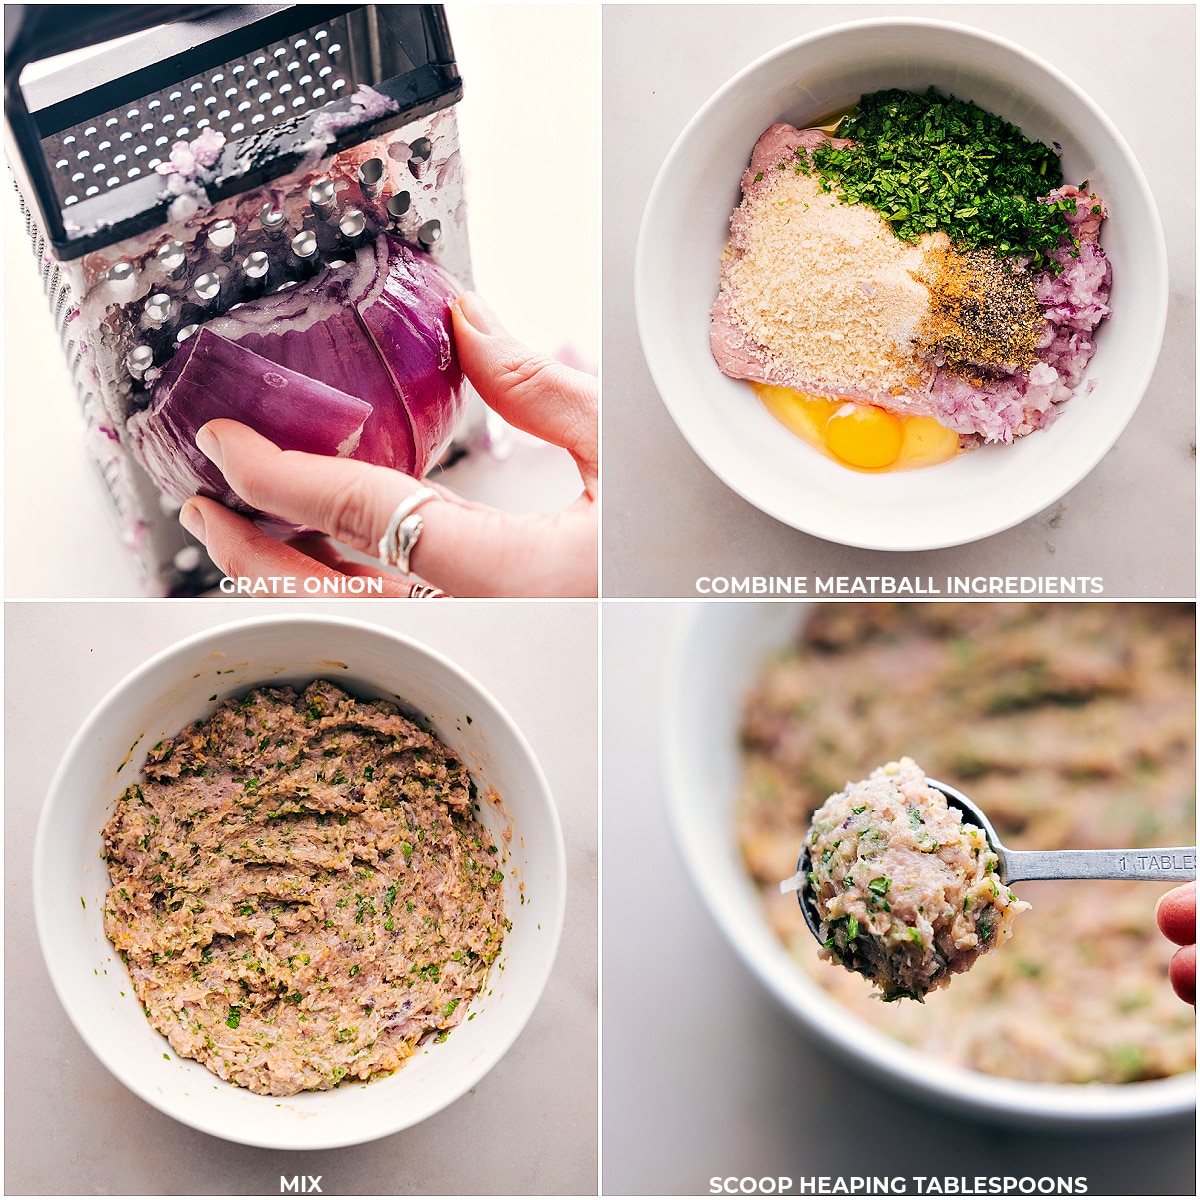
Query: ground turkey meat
(1069, 724)
(908, 894)
(301, 891)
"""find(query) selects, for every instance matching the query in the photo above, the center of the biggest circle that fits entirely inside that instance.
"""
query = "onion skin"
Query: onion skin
(376, 332)
(212, 377)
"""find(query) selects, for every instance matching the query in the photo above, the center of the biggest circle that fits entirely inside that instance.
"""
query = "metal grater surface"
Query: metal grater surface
(248, 95)
(314, 166)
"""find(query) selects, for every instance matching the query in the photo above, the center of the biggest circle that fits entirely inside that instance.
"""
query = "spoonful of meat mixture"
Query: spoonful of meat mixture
(903, 879)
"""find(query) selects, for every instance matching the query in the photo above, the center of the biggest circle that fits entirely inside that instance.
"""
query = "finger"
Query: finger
(466, 551)
(324, 551)
(532, 392)
(242, 551)
(1176, 914)
(1183, 974)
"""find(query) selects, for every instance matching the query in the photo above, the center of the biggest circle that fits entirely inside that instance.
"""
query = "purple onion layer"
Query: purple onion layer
(375, 332)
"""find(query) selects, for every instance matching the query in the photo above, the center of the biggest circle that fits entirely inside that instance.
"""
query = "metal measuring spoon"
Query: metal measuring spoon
(1175, 864)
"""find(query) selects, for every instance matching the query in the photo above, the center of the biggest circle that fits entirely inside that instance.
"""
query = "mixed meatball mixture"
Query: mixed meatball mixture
(908, 893)
(301, 890)
(1069, 724)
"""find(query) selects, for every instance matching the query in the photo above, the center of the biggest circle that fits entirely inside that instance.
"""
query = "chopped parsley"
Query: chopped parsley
(927, 161)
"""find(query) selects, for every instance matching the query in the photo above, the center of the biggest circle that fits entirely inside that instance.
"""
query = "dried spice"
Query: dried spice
(983, 312)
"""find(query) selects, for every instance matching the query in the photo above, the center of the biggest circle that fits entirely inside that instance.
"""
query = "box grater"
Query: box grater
(196, 157)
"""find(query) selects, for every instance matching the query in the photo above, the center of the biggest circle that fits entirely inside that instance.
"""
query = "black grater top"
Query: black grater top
(272, 79)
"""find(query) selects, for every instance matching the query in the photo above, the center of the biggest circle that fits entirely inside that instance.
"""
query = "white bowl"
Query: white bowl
(717, 653)
(177, 687)
(686, 226)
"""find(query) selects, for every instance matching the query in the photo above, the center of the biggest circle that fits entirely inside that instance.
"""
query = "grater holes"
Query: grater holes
(72, 199)
(112, 181)
(244, 97)
(92, 191)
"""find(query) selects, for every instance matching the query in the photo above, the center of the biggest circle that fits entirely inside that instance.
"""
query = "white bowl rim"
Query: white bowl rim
(42, 871)
(1029, 501)
(1020, 1102)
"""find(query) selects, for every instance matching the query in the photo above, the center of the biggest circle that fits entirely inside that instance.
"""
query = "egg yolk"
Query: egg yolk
(864, 436)
(860, 435)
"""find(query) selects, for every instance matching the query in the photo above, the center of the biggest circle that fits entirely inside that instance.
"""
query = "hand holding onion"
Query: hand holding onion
(465, 549)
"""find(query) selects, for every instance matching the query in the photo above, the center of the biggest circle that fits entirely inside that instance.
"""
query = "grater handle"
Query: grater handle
(36, 31)
(33, 32)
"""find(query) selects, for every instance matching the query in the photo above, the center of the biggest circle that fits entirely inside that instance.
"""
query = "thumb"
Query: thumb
(536, 394)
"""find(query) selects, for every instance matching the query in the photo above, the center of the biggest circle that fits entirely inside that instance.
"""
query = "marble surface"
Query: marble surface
(706, 1074)
(59, 538)
(668, 520)
(530, 1126)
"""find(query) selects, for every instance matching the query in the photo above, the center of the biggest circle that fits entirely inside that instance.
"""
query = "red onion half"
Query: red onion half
(365, 348)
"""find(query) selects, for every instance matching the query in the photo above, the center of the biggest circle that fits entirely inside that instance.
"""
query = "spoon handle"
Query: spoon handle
(1176, 864)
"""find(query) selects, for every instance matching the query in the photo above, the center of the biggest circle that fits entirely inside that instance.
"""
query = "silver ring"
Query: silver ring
(403, 529)
(425, 591)
(406, 539)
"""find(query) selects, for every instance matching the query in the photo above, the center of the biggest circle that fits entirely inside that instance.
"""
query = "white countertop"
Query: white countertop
(668, 520)
(706, 1074)
(528, 1127)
